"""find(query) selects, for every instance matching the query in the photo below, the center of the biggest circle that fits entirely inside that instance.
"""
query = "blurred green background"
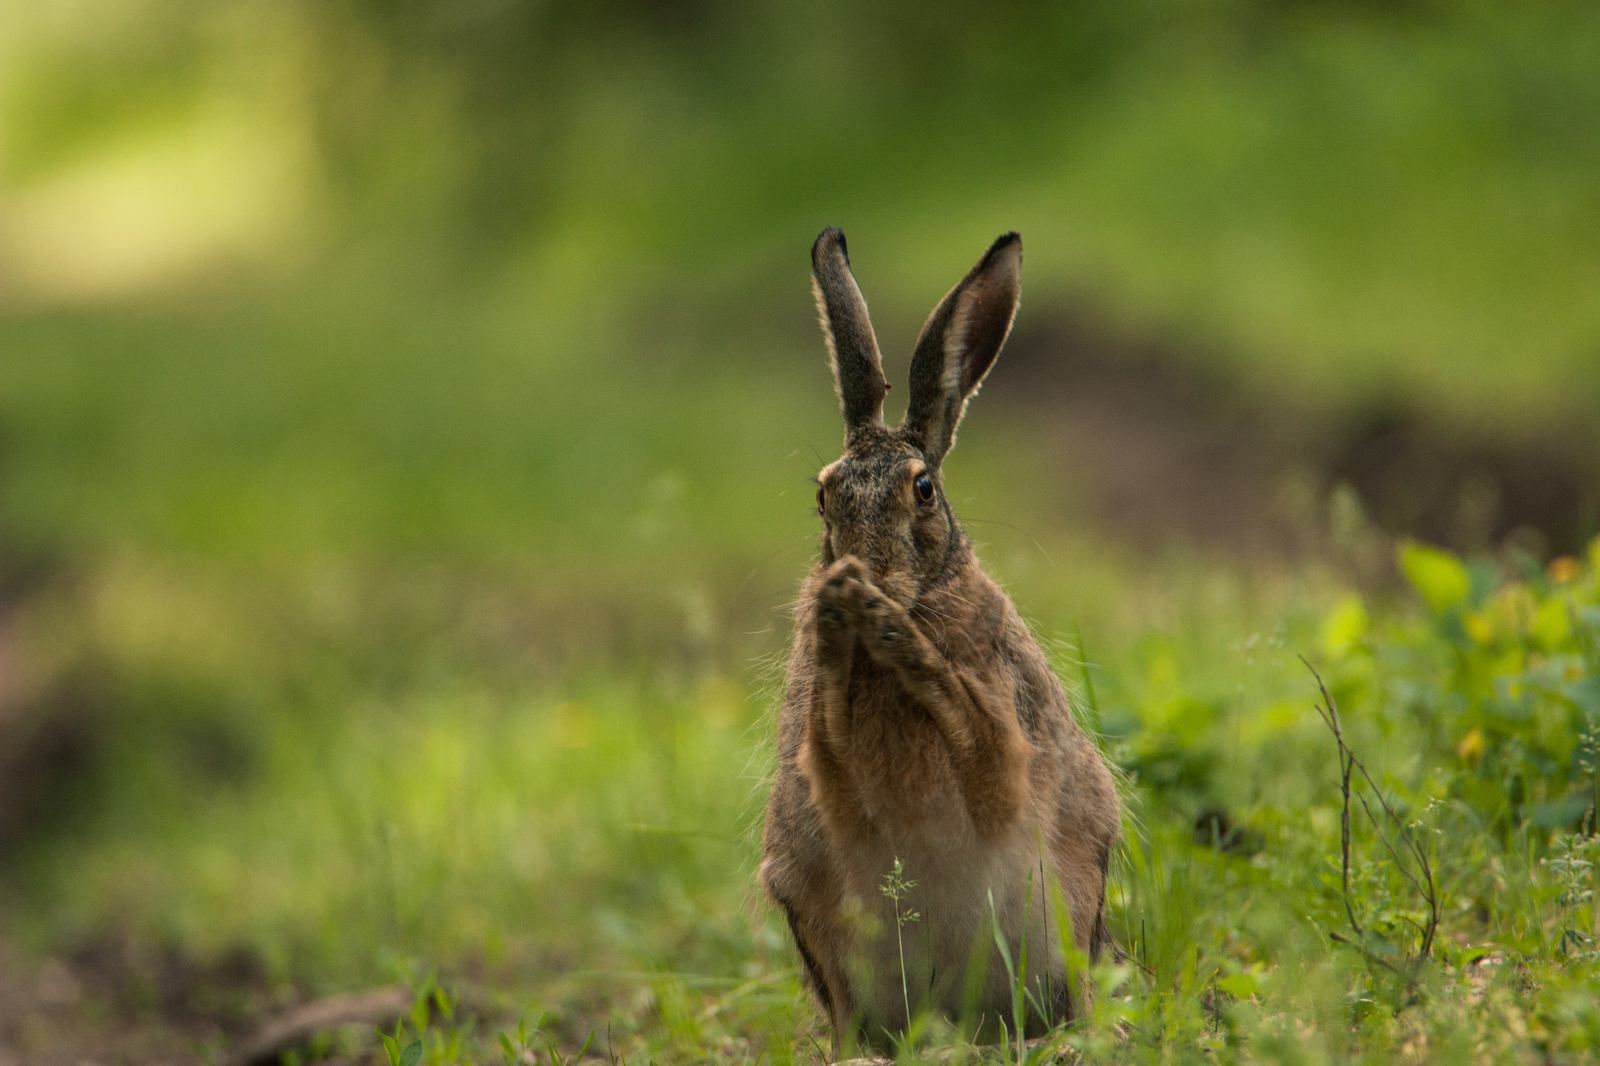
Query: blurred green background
(407, 411)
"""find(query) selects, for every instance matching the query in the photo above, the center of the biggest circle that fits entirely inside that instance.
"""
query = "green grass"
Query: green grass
(383, 790)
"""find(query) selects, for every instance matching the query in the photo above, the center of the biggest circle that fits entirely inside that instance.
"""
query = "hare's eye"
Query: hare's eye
(819, 499)
(924, 488)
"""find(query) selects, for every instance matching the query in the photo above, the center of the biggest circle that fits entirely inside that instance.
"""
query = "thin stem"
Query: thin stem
(1424, 884)
(899, 936)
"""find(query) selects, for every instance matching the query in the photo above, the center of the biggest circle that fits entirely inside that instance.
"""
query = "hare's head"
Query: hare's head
(883, 500)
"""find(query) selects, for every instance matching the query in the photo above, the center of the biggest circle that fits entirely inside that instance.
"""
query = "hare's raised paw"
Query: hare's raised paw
(849, 602)
(845, 593)
(841, 602)
(886, 629)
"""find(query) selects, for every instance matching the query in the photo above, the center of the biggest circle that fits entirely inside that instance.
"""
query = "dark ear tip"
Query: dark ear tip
(832, 237)
(1007, 246)
(1006, 240)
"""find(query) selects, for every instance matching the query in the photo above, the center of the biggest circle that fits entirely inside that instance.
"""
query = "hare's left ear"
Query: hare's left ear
(958, 345)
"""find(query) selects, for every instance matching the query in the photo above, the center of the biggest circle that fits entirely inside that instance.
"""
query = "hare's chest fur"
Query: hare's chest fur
(917, 815)
(926, 928)
(900, 765)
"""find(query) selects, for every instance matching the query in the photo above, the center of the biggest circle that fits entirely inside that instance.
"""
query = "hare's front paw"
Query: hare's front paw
(849, 604)
(842, 599)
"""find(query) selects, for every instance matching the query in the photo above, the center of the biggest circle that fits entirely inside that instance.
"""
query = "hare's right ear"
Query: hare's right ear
(853, 350)
(958, 345)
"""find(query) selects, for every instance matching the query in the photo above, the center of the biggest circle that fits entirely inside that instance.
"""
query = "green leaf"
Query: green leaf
(1552, 625)
(390, 1048)
(1435, 573)
(441, 999)
(505, 1044)
(412, 1054)
(1000, 941)
(1586, 694)
(1243, 985)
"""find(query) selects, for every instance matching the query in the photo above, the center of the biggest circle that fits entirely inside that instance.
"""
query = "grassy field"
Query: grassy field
(378, 667)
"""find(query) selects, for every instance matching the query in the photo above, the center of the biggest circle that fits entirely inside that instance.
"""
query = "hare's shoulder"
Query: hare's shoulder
(980, 631)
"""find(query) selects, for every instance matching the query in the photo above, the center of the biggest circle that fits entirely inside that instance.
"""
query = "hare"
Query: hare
(933, 789)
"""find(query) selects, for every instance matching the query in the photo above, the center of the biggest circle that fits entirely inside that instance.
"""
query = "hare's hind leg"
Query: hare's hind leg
(810, 968)
(823, 973)
(1081, 868)
(798, 876)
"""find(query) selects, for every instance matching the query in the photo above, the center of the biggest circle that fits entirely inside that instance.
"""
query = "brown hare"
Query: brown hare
(921, 723)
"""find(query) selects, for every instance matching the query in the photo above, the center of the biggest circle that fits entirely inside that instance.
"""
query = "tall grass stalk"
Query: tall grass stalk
(896, 887)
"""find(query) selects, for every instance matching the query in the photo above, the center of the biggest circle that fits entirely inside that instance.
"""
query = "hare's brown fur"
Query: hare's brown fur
(922, 722)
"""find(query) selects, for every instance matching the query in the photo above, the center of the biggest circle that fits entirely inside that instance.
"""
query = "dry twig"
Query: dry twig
(291, 1029)
(1422, 881)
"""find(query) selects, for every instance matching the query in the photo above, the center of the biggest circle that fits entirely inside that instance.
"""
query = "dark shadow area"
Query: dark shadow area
(1165, 447)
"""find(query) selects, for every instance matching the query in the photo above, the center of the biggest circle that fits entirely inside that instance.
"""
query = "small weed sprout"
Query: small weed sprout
(409, 1055)
(1572, 862)
(897, 889)
(1589, 763)
(520, 1050)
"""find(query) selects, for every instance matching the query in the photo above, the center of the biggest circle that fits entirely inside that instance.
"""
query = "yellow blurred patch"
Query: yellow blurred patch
(229, 185)
(1345, 626)
(1471, 746)
(1563, 568)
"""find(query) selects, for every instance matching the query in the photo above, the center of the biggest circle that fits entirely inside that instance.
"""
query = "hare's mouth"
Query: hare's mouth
(900, 586)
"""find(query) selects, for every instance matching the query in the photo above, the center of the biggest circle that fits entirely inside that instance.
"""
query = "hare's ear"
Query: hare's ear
(853, 350)
(958, 345)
